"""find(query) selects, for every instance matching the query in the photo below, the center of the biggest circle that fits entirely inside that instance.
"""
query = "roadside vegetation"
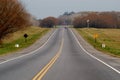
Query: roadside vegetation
(13, 17)
(109, 37)
(14, 24)
(34, 33)
(48, 22)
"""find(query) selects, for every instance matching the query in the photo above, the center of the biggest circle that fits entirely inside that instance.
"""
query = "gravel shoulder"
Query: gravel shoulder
(31, 48)
(112, 61)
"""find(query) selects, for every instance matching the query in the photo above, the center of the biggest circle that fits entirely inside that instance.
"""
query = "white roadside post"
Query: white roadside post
(103, 45)
(17, 45)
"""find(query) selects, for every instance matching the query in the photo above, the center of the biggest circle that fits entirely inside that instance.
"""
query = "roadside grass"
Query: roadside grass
(34, 33)
(109, 37)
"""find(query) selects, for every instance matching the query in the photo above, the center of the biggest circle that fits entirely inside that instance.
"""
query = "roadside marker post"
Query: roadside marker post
(17, 45)
(95, 37)
(25, 36)
(103, 45)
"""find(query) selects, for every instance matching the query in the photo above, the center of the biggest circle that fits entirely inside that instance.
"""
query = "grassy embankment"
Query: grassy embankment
(10, 40)
(109, 37)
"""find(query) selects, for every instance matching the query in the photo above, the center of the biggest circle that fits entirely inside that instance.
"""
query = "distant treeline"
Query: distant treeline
(98, 20)
(84, 19)
(93, 19)
(48, 22)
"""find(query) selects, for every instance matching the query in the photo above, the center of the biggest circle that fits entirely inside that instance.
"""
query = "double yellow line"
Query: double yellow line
(42, 73)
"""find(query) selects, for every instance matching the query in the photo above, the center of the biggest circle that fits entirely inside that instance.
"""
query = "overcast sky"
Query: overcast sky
(45, 8)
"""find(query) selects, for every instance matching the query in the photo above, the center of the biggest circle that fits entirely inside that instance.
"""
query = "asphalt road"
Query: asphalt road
(61, 58)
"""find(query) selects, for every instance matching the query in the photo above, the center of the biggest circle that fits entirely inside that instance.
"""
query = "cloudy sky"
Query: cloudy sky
(45, 8)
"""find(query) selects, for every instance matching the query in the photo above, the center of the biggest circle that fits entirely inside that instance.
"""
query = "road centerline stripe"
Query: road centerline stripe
(42, 73)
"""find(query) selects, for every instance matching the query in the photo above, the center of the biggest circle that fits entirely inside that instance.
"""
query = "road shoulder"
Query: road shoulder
(113, 61)
(31, 48)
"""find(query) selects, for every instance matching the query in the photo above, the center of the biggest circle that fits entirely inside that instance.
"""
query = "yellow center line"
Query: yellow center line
(42, 73)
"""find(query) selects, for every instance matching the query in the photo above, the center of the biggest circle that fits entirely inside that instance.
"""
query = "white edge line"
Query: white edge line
(94, 56)
(30, 52)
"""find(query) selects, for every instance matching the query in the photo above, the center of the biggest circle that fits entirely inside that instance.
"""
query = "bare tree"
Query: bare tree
(13, 17)
(49, 22)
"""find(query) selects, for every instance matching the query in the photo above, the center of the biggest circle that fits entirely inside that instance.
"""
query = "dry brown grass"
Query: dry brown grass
(110, 37)
(16, 35)
(17, 38)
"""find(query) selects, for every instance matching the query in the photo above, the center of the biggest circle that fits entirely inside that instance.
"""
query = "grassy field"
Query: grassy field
(10, 40)
(109, 37)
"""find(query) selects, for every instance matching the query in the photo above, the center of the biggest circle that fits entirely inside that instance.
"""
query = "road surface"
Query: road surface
(61, 58)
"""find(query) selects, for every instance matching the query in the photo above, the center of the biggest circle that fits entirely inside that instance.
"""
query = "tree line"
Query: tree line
(98, 20)
(83, 19)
